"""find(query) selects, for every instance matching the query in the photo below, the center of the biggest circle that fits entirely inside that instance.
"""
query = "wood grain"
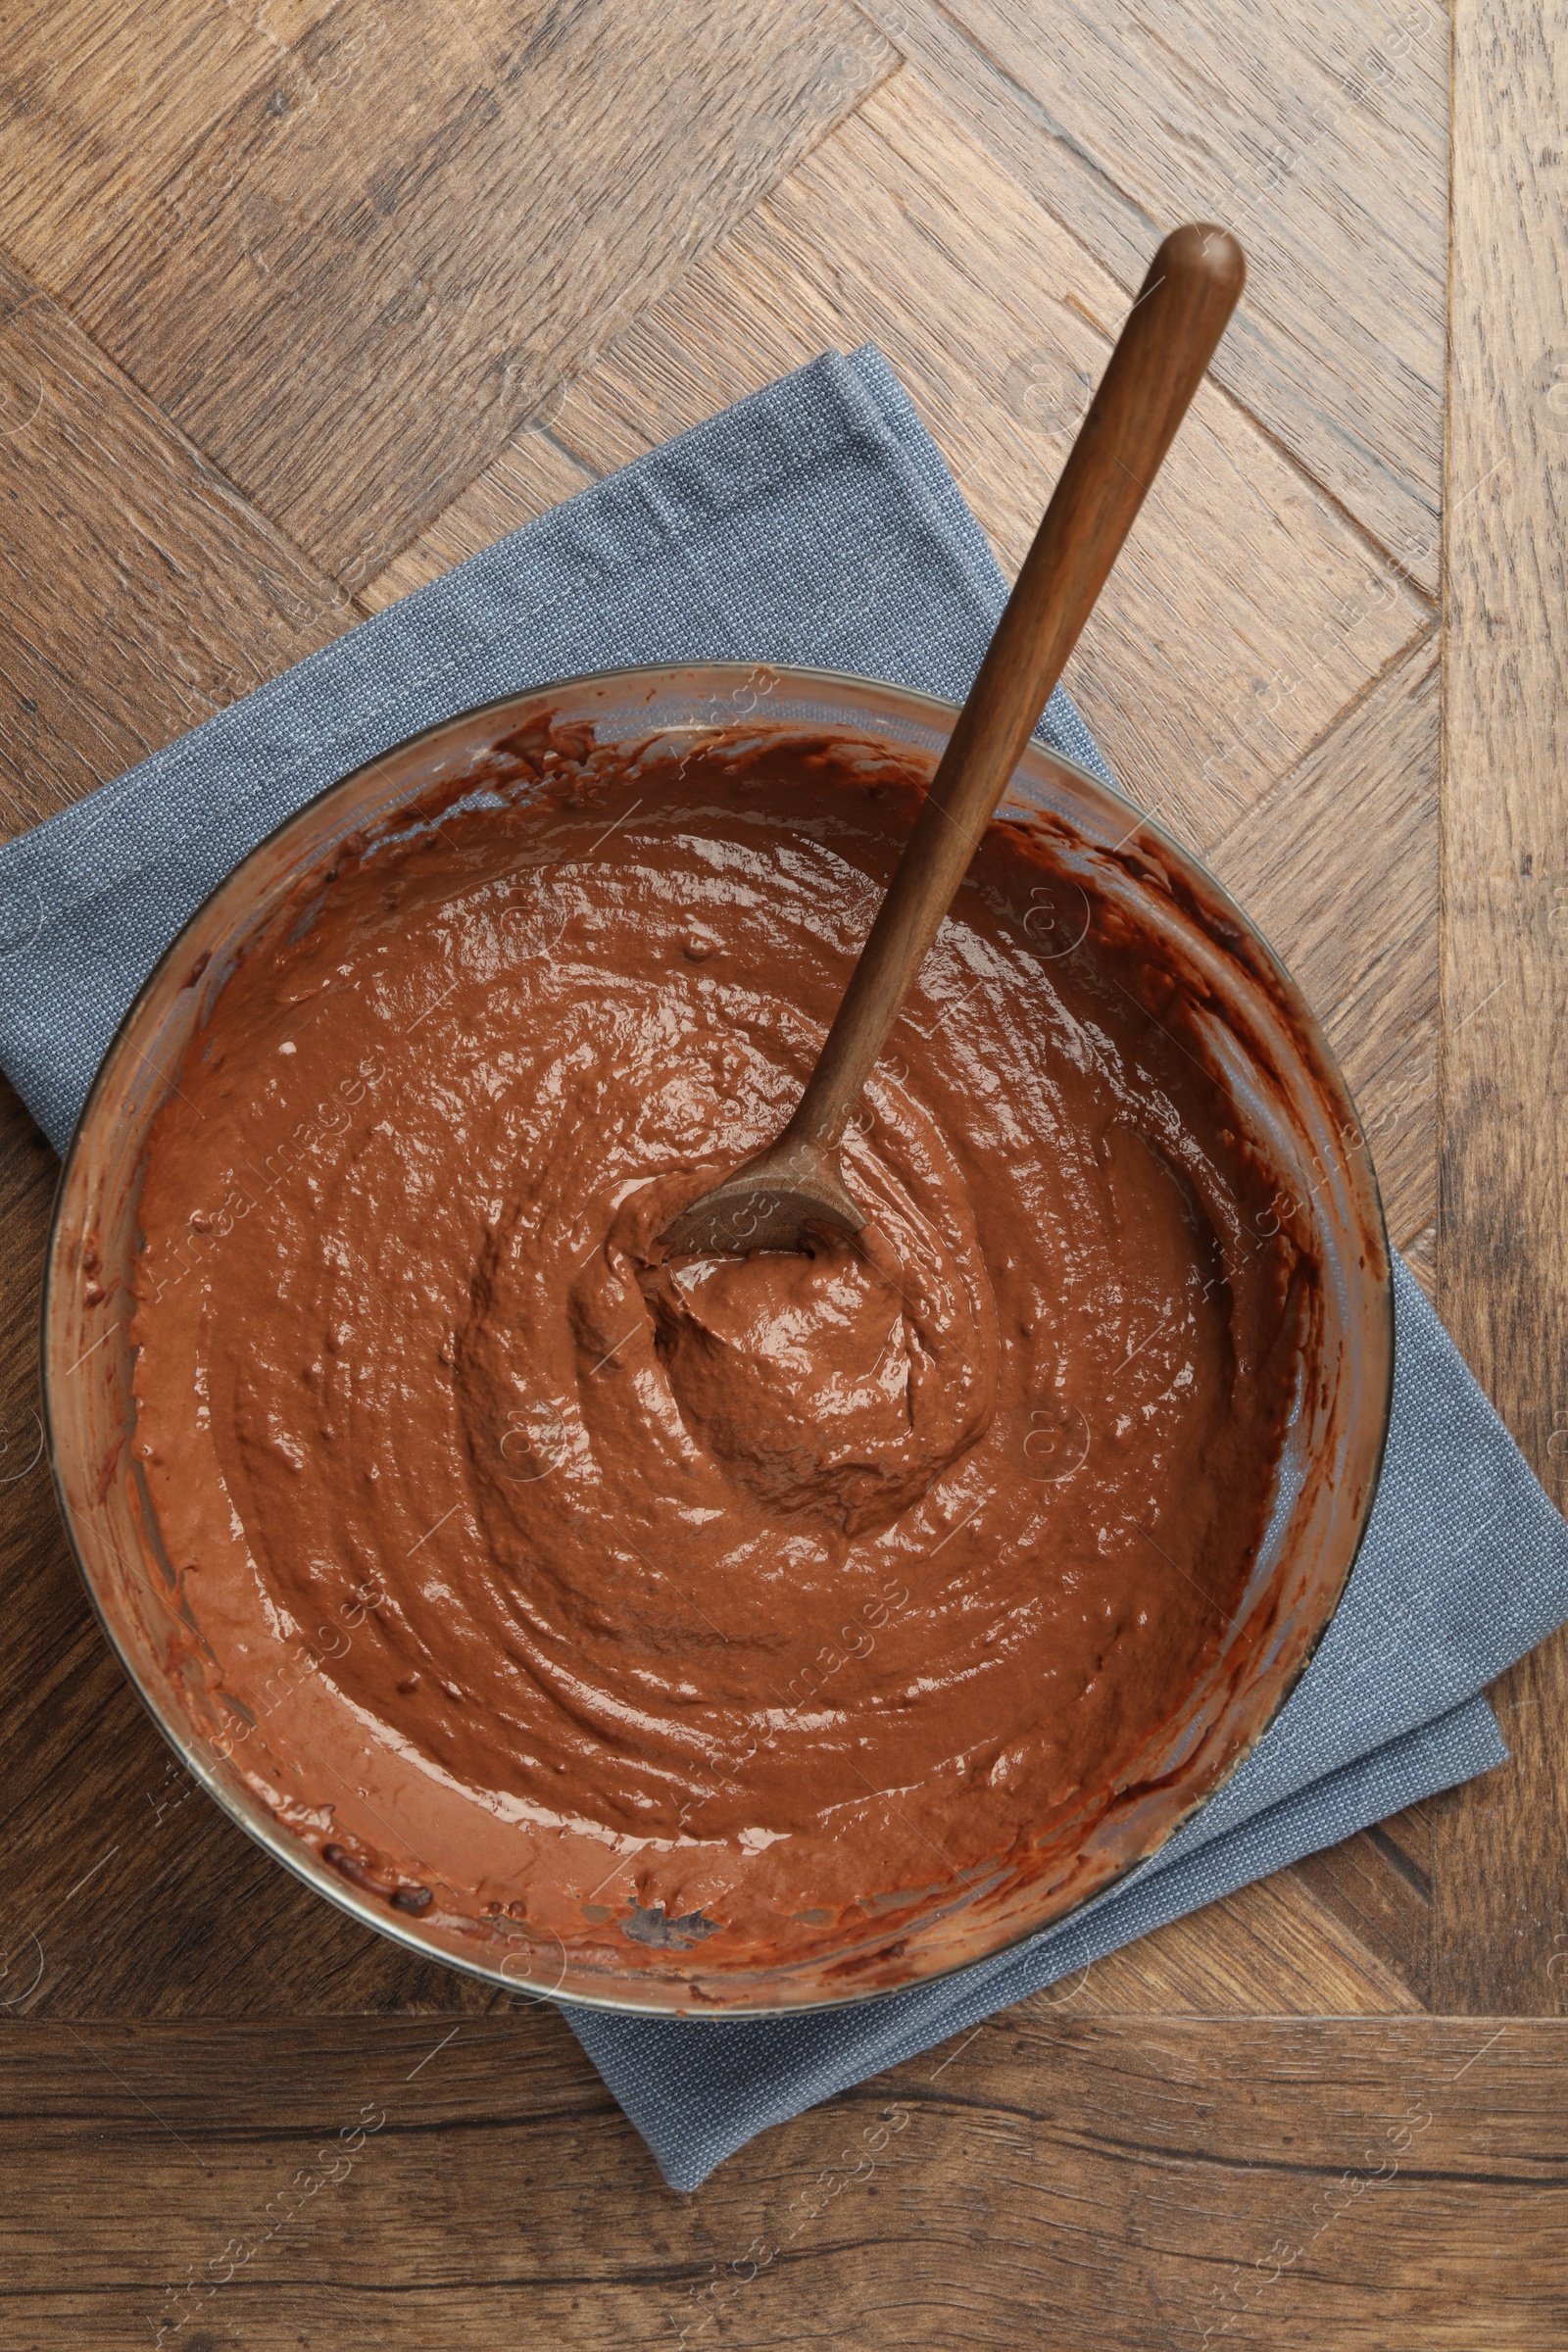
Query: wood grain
(1367, 2185)
(1290, 1945)
(1379, 1885)
(1240, 582)
(385, 257)
(138, 593)
(1319, 135)
(99, 105)
(1503, 1263)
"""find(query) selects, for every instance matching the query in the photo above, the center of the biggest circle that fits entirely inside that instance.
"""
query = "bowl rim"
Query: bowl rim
(294, 1852)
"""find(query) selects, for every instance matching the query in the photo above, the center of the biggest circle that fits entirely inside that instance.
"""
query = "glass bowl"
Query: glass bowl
(1282, 1079)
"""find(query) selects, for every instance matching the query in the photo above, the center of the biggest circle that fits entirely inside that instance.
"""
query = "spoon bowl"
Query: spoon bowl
(776, 1201)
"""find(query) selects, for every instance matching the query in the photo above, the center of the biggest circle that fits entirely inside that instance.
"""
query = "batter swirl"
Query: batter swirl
(734, 1601)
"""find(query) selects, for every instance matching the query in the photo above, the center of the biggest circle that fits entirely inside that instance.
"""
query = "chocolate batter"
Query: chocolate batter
(754, 1602)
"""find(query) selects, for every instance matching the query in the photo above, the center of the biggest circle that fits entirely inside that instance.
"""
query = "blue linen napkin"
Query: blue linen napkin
(718, 546)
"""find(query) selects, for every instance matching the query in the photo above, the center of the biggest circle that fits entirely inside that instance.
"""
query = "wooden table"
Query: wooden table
(302, 302)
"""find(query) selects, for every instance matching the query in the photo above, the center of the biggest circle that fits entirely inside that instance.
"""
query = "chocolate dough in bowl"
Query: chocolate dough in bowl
(711, 1635)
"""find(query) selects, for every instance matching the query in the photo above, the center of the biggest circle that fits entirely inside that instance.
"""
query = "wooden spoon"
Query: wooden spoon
(776, 1199)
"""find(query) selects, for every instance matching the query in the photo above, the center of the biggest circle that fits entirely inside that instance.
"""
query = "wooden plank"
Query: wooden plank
(379, 262)
(1360, 931)
(1364, 2185)
(1246, 609)
(1289, 1947)
(103, 101)
(138, 593)
(1320, 135)
(1501, 1879)
(1499, 1867)
(1379, 1884)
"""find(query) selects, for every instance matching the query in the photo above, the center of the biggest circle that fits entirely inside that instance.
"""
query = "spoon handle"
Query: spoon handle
(1166, 343)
